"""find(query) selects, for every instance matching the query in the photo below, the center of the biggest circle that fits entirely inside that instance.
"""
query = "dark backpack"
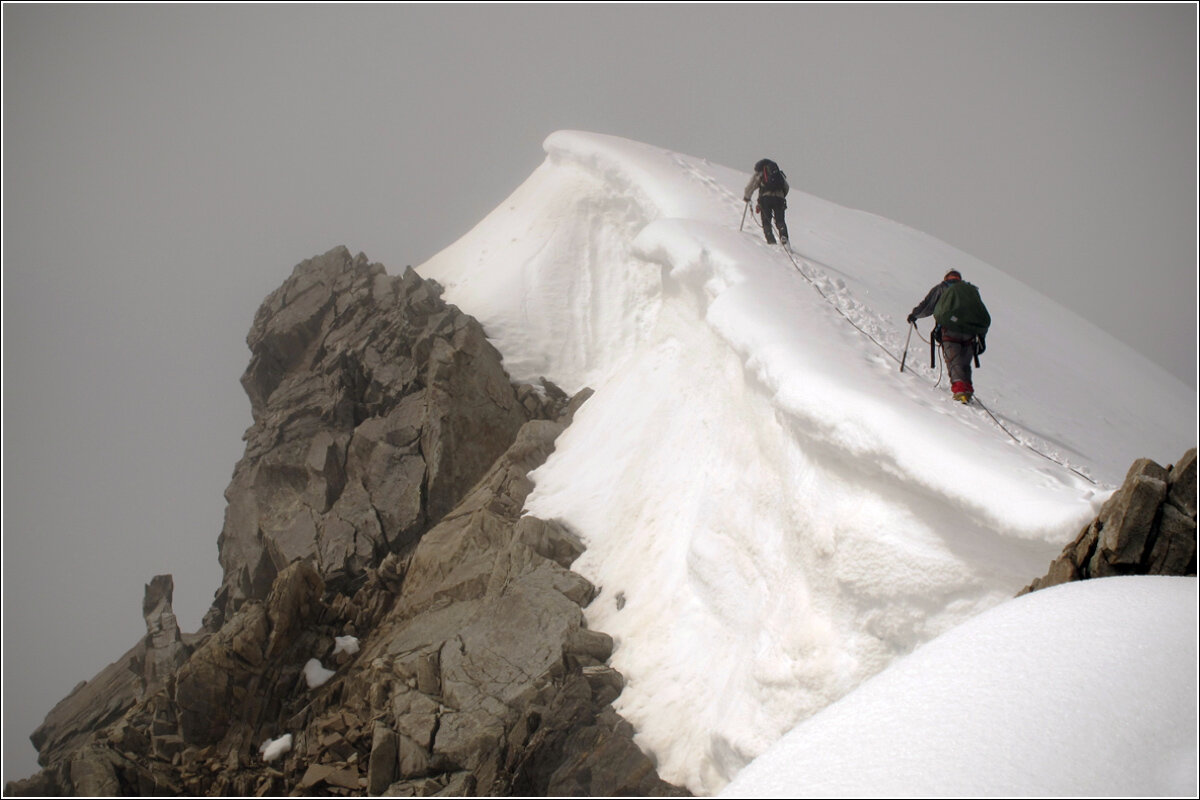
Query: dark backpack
(961, 310)
(772, 177)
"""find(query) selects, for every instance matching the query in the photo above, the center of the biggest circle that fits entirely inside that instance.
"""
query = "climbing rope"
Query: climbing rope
(841, 313)
(941, 361)
(1028, 446)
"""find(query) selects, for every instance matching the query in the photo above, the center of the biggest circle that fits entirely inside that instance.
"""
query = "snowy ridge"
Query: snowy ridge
(775, 513)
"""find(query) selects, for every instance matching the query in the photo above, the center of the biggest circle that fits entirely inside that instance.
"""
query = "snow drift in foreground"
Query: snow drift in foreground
(1082, 689)
(772, 510)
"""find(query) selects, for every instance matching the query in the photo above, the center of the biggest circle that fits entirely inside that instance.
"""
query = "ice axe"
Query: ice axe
(911, 325)
(744, 210)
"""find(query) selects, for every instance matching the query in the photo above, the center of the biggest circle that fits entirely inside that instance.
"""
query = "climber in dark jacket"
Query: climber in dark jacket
(772, 200)
(925, 307)
(959, 347)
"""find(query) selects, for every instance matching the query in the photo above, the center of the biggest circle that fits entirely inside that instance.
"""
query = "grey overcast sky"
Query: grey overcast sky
(166, 166)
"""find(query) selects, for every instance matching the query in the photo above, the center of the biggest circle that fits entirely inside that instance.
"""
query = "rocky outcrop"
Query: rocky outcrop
(1147, 527)
(119, 686)
(376, 407)
(388, 621)
(90, 706)
(165, 649)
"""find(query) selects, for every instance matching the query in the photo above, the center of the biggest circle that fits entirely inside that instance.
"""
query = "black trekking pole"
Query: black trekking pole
(911, 325)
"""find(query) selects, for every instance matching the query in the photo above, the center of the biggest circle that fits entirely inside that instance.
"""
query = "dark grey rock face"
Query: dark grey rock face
(379, 498)
(1148, 527)
(376, 406)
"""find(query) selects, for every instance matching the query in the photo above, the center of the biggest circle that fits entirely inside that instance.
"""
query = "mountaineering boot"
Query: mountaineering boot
(962, 391)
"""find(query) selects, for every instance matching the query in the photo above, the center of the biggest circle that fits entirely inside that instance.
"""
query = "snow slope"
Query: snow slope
(774, 513)
(1107, 706)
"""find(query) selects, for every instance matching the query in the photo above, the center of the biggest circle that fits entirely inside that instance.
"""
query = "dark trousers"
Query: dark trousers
(958, 354)
(771, 206)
